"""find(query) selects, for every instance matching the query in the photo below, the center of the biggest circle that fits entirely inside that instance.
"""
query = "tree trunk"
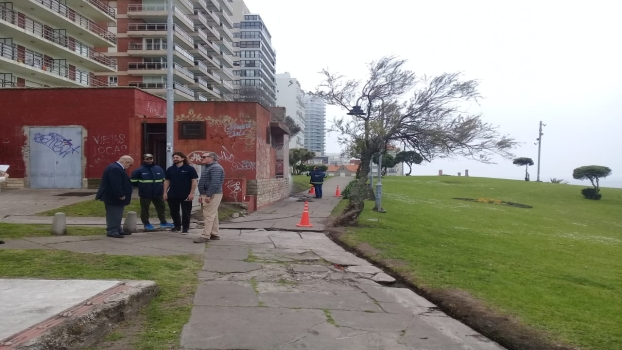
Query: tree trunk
(358, 193)
(410, 169)
(526, 173)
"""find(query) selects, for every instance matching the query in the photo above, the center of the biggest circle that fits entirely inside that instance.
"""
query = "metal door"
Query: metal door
(55, 157)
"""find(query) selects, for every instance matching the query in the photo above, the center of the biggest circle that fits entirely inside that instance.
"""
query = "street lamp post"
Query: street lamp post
(539, 139)
(170, 95)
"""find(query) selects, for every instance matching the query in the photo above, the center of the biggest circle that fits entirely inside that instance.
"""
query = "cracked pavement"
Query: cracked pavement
(299, 290)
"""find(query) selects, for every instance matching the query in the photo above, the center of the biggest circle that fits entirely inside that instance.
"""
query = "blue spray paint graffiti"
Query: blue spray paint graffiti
(57, 143)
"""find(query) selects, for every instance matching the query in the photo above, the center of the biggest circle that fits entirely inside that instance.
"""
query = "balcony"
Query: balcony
(199, 19)
(212, 33)
(212, 62)
(227, 47)
(202, 69)
(200, 97)
(228, 72)
(212, 17)
(200, 35)
(226, 7)
(180, 55)
(180, 74)
(226, 33)
(226, 20)
(200, 84)
(212, 47)
(186, 6)
(53, 72)
(96, 10)
(225, 59)
(22, 28)
(61, 16)
(159, 13)
(213, 4)
(158, 30)
(227, 86)
(182, 92)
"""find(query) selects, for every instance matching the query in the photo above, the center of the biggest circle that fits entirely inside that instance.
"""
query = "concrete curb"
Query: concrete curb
(84, 324)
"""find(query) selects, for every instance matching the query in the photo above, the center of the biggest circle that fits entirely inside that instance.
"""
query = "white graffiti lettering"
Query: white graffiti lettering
(226, 156)
(109, 139)
(234, 187)
(243, 165)
(57, 143)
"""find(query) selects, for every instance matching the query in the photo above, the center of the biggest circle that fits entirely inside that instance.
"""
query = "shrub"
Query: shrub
(591, 193)
(346, 191)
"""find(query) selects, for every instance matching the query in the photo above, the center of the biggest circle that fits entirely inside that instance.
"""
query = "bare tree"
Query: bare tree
(430, 122)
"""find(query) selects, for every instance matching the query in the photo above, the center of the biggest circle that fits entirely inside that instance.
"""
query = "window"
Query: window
(192, 130)
(113, 81)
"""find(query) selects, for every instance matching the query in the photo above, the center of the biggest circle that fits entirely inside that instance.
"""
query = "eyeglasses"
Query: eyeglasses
(206, 156)
(148, 158)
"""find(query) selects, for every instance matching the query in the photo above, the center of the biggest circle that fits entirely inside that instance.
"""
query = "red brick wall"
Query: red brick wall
(110, 117)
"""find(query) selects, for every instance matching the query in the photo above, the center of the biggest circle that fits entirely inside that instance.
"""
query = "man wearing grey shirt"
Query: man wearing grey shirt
(210, 188)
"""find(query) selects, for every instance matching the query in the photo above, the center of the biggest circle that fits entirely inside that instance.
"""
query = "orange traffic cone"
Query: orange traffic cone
(304, 220)
(312, 190)
(337, 192)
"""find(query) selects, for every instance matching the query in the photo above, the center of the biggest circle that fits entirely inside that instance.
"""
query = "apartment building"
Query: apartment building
(289, 94)
(315, 127)
(202, 48)
(255, 65)
(53, 43)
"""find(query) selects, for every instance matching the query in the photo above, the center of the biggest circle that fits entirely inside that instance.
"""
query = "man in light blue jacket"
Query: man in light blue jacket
(210, 188)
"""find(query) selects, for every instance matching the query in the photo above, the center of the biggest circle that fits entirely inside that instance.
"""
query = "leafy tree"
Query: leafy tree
(526, 162)
(430, 121)
(592, 173)
(297, 156)
(388, 161)
(410, 158)
(293, 127)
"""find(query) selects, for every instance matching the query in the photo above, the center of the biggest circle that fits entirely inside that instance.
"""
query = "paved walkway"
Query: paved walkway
(268, 284)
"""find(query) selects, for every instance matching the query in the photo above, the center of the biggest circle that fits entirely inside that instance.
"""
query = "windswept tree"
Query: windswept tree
(297, 156)
(524, 161)
(388, 161)
(592, 173)
(394, 106)
(410, 158)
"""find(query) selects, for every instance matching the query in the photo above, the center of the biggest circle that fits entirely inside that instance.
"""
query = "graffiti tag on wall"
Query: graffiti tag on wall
(110, 145)
(235, 187)
(57, 143)
(242, 127)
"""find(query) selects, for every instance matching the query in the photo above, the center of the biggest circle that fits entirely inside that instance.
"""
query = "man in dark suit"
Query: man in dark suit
(115, 191)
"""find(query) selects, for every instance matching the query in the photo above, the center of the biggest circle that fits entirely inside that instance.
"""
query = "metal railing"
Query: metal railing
(214, 3)
(184, 53)
(188, 4)
(227, 85)
(228, 72)
(201, 66)
(214, 16)
(147, 47)
(103, 7)
(160, 8)
(202, 35)
(78, 19)
(158, 27)
(147, 65)
(49, 65)
(201, 49)
(183, 88)
(228, 6)
(183, 71)
(216, 90)
(184, 18)
(227, 18)
(141, 85)
(201, 17)
(227, 31)
(200, 97)
(40, 30)
(201, 82)
(213, 30)
(226, 58)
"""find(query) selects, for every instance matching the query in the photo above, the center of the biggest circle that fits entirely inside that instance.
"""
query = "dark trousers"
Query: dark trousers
(114, 216)
(318, 190)
(186, 208)
(158, 203)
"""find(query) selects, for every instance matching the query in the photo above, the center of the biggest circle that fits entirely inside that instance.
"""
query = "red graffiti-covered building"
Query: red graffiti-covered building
(64, 138)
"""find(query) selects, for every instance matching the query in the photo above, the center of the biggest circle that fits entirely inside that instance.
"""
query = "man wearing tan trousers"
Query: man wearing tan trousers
(210, 188)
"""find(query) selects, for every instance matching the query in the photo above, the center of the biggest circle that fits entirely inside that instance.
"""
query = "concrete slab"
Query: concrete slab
(346, 259)
(371, 322)
(227, 253)
(246, 328)
(179, 245)
(363, 269)
(24, 303)
(111, 247)
(20, 244)
(309, 268)
(88, 310)
(343, 300)
(62, 239)
(229, 266)
(224, 293)
(382, 278)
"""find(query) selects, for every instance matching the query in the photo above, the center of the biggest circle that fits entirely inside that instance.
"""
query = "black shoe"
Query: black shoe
(184, 231)
(125, 233)
(176, 229)
(114, 235)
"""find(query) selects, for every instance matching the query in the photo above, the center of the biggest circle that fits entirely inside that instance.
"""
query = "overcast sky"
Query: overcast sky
(555, 61)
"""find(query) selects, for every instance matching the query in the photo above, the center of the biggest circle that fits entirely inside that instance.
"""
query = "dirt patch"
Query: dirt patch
(503, 329)
(495, 201)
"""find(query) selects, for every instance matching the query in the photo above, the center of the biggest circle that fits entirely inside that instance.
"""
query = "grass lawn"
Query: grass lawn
(557, 267)
(95, 208)
(301, 183)
(27, 230)
(164, 317)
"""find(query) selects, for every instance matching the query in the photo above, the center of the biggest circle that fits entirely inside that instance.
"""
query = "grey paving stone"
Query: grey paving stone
(180, 245)
(21, 244)
(371, 322)
(228, 266)
(309, 268)
(226, 253)
(382, 278)
(377, 293)
(61, 239)
(223, 293)
(207, 275)
(246, 327)
(363, 269)
(344, 300)
(345, 259)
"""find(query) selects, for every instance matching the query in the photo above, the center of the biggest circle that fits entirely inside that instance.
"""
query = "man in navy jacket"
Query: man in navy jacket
(317, 180)
(150, 181)
(115, 191)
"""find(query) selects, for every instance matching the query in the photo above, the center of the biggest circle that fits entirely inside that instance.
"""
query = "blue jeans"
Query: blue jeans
(318, 190)
(114, 216)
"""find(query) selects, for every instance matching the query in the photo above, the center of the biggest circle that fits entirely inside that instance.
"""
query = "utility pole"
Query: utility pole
(170, 94)
(378, 206)
(539, 148)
